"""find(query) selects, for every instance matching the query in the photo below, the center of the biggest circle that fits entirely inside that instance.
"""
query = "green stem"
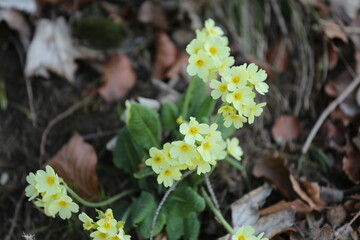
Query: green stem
(217, 212)
(234, 163)
(98, 204)
(185, 108)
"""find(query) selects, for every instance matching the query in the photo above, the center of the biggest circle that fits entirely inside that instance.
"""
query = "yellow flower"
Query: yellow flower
(240, 97)
(233, 148)
(194, 46)
(193, 130)
(253, 110)
(169, 160)
(217, 49)
(209, 148)
(244, 233)
(107, 226)
(236, 120)
(168, 175)
(237, 77)
(220, 89)
(64, 205)
(88, 222)
(225, 65)
(211, 29)
(30, 191)
(199, 64)
(257, 78)
(183, 151)
(156, 160)
(97, 235)
(213, 132)
(201, 165)
(47, 181)
(227, 110)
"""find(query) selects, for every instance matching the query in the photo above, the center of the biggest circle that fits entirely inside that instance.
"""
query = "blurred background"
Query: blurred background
(67, 66)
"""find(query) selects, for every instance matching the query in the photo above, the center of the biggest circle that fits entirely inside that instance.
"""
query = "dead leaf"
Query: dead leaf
(333, 31)
(275, 223)
(278, 56)
(338, 114)
(275, 171)
(151, 12)
(299, 206)
(351, 163)
(332, 54)
(336, 215)
(180, 63)
(286, 128)
(16, 21)
(119, 77)
(350, 7)
(297, 188)
(245, 210)
(331, 195)
(313, 190)
(52, 49)
(335, 87)
(165, 57)
(75, 163)
(28, 6)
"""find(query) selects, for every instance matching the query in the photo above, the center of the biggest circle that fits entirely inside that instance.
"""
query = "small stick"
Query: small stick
(327, 112)
(161, 204)
(57, 119)
(211, 191)
(31, 100)
(347, 225)
(14, 220)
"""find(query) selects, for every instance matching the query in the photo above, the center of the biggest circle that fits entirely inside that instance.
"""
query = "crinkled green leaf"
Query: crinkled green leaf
(174, 227)
(144, 126)
(144, 227)
(127, 154)
(143, 207)
(168, 115)
(184, 201)
(206, 108)
(191, 227)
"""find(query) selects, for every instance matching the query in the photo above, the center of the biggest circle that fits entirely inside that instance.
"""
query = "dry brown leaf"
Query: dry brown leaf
(119, 78)
(152, 13)
(278, 56)
(166, 55)
(275, 171)
(336, 216)
(275, 223)
(299, 206)
(335, 87)
(75, 163)
(313, 190)
(181, 62)
(351, 163)
(286, 128)
(297, 188)
(333, 31)
(332, 55)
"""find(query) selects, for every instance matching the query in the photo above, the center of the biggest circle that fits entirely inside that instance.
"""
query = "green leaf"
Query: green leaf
(183, 201)
(144, 205)
(225, 131)
(191, 227)
(174, 227)
(144, 228)
(144, 173)
(127, 154)
(168, 115)
(198, 94)
(144, 126)
(206, 108)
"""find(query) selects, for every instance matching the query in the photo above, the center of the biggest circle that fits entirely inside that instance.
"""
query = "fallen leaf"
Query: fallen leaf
(336, 215)
(53, 49)
(16, 21)
(299, 206)
(75, 163)
(335, 87)
(275, 171)
(331, 195)
(278, 56)
(165, 56)
(313, 190)
(286, 128)
(245, 210)
(119, 78)
(326, 233)
(181, 62)
(333, 31)
(338, 114)
(351, 163)
(297, 188)
(350, 7)
(332, 54)
(275, 223)
(152, 13)
(28, 6)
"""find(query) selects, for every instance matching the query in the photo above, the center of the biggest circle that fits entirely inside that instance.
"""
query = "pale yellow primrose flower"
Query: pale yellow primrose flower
(236, 120)
(97, 235)
(193, 130)
(213, 132)
(227, 110)
(107, 226)
(156, 160)
(194, 46)
(168, 175)
(199, 64)
(201, 165)
(244, 233)
(64, 206)
(257, 78)
(211, 29)
(209, 148)
(233, 148)
(220, 89)
(217, 49)
(237, 77)
(240, 97)
(253, 110)
(225, 65)
(30, 191)
(183, 151)
(47, 181)
(88, 222)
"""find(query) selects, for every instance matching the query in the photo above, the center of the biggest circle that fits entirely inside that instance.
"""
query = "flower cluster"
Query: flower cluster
(210, 57)
(50, 193)
(201, 147)
(106, 227)
(247, 233)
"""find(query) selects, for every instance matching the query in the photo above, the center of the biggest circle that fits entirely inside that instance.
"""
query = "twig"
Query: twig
(57, 119)
(211, 191)
(14, 220)
(327, 111)
(347, 225)
(161, 204)
(31, 101)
